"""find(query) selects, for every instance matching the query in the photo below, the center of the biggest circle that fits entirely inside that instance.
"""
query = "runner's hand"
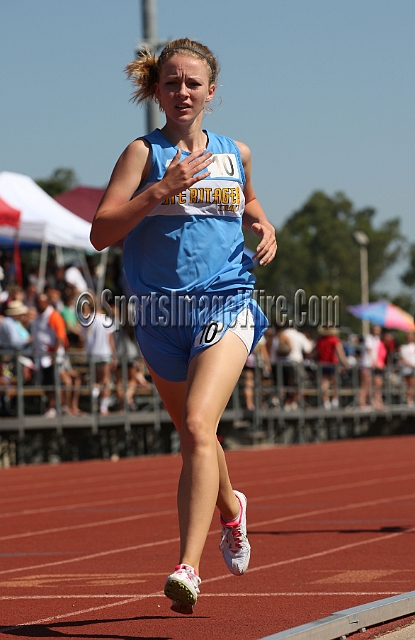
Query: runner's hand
(267, 248)
(182, 175)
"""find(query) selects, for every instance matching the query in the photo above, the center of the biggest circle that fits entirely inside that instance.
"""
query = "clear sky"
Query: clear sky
(323, 91)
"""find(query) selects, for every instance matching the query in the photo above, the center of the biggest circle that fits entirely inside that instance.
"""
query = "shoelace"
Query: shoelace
(192, 576)
(234, 536)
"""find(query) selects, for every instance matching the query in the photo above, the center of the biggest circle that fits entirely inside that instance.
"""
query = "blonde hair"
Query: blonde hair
(145, 70)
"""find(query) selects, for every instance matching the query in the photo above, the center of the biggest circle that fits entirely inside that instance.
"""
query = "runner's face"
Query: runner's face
(184, 88)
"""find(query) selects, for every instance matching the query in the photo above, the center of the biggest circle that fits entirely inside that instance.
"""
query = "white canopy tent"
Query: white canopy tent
(42, 219)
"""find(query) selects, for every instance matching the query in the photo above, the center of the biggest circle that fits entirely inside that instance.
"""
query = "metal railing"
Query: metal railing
(144, 426)
(305, 383)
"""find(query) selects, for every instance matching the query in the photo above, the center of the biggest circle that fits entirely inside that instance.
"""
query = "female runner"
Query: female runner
(179, 196)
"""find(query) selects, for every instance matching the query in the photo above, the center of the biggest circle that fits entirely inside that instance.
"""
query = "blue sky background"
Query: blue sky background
(323, 91)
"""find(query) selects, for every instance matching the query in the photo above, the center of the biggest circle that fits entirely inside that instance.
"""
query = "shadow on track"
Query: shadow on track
(392, 529)
(57, 629)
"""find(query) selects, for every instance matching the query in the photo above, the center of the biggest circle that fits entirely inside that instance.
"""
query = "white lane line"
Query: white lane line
(139, 475)
(299, 593)
(99, 554)
(214, 579)
(209, 595)
(84, 505)
(76, 613)
(323, 474)
(354, 505)
(88, 525)
(155, 543)
(139, 470)
(98, 523)
(337, 487)
(101, 489)
(122, 487)
(136, 497)
(159, 594)
(318, 554)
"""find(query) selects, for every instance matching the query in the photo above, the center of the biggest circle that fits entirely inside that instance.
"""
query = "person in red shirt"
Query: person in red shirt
(330, 352)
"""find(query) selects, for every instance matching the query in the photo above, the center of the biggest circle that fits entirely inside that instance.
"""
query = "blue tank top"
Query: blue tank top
(193, 241)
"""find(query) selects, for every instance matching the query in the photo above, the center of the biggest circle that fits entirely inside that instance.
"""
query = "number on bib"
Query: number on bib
(210, 334)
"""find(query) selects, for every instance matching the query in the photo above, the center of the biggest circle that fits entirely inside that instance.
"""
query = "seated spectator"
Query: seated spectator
(407, 354)
(127, 348)
(5, 382)
(71, 387)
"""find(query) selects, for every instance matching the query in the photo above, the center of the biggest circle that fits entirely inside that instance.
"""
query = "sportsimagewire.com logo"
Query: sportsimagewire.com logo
(176, 309)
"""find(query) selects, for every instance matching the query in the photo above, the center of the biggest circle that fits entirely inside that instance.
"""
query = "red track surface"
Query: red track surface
(85, 547)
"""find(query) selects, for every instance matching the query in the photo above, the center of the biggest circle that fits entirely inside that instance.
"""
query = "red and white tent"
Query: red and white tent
(9, 217)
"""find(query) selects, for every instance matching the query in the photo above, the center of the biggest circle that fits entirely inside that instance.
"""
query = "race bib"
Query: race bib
(224, 165)
(210, 334)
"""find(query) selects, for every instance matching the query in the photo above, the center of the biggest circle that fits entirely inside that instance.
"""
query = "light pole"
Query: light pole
(362, 241)
(152, 43)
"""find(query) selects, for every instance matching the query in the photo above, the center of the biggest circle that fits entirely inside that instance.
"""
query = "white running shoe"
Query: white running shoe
(182, 587)
(234, 545)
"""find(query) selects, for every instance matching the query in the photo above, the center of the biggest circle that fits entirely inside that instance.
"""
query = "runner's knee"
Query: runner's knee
(197, 433)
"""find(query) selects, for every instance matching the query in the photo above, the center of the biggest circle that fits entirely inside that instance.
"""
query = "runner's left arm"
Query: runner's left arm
(254, 217)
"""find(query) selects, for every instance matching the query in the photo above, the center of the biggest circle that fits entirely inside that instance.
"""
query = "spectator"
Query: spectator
(57, 279)
(259, 357)
(74, 277)
(55, 298)
(278, 351)
(350, 349)
(29, 295)
(69, 377)
(372, 367)
(390, 345)
(407, 353)
(34, 277)
(298, 344)
(127, 348)
(13, 334)
(100, 348)
(329, 351)
(73, 328)
(49, 342)
(71, 387)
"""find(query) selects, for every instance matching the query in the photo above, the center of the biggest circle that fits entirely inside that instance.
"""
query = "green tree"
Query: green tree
(59, 181)
(317, 253)
(408, 278)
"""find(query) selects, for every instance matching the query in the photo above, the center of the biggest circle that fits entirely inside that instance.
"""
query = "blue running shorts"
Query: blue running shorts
(172, 329)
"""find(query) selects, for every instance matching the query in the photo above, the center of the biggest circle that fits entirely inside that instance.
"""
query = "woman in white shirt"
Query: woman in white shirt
(407, 353)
